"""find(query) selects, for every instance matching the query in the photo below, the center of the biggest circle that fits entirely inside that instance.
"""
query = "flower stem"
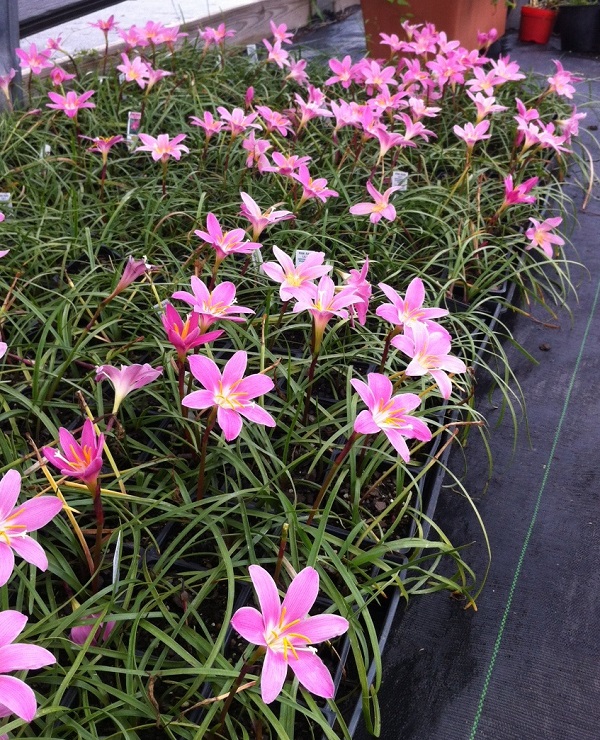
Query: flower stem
(311, 375)
(210, 422)
(97, 552)
(281, 553)
(236, 684)
(329, 477)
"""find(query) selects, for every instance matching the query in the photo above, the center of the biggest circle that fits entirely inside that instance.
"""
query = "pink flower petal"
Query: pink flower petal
(12, 623)
(258, 415)
(313, 674)
(20, 657)
(10, 487)
(199, 400)
(249, 623)
(364, 424)
(235, 368)
(301, 594)
(323, 627)
(398, 442)
(206, 372)
(272, 677)
(30, 551)
(230, 422)
(37, 512)
(268, 596)
(18, 697)
(7, 563)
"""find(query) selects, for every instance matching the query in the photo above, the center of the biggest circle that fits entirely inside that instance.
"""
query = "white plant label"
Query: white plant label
(134, 120)
(400, 179)
(301, 255)
(252, 53)
(6, 200)
(45, 151)
(256, 259)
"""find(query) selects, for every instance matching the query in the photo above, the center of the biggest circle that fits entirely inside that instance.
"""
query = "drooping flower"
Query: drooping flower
(185, 335)
(133, 270)
(15, 696)
(389, 414)
(429, 351)
(408, 310)
(15, 523)
(162, 147)
(381, 208)
(129, 378)
(101, 630)
(286, 631)
(295, 278)
(212, 306)
(540, 235)
(71, 103)
(78, 460)
(261, 219)
(231, 393)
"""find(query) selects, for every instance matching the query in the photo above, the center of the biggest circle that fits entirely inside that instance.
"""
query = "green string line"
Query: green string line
(513, 586)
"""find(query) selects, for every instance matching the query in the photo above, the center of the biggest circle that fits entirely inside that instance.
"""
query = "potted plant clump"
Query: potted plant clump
(580, 26)
(537, 21)
(460, 19)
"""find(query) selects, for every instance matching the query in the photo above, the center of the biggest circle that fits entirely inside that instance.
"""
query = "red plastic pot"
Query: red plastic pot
(536, 24)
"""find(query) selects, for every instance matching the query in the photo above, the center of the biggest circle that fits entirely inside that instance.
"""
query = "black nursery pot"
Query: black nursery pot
(580, 28)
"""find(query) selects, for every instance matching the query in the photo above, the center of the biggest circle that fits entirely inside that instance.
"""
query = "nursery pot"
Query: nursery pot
(536, 24)
(580, 28)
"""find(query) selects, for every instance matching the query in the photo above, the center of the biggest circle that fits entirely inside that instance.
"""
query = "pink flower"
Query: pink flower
(101, 630)
(294, 279)
(540, 235)
(430, 354)
(313, 188)
(381, 208)
(485, 104)
(259, 219)
(208, 123)
(230, 242)
(472, 134)
(274, 120)
(83, 461)
(103, 144)
(5, 81)
(105, 26)
(280, 33)
(34, 59)
(297, 72)
(162, 147)
(286, 166)
(389, 414)
(212, 306)
(185, 335)
(70, 103)
(287, 631)
(276, 54)
(133, 270)
(257, 149)
(231, 393)
(128, 378)
(407, 311)
(58, 76)
(560, 82)
(155, 75)
(134, 71)
(344, 72)
(15, 696)
(216, 36)
(237, 121)
(357, 280)
(514, 195)
(15, 523)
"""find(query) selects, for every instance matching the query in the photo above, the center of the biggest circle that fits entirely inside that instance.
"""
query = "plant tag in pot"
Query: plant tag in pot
(256, 259)
(6, 200)
(400, 179)
(301, 255)
(134, 119)
(252, 53)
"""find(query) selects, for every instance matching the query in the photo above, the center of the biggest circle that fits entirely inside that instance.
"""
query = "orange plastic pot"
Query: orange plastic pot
(536, 24)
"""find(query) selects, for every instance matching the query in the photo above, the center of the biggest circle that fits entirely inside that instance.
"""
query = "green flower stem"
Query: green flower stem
(236, 684)
(210, 422)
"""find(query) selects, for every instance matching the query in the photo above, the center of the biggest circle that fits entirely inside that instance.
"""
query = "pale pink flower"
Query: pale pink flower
(429, 351)
(70, 103)
(156, 75)
(408, 310)
(231, 393)
(216, 36)
(297, 72)
(484, 81)
(485, 104)
(393, 41)
(516, 194)
(208, 123)
(343, 72)
(15, 696)
(540, 235)
(103, 144)
(294, 279)
(34, 59)
(101, 630)
(15, 523)
(389, 414)
(134, 71)
(311, 108)
(287, 165)
(274, 120)
(105, 26)
(313, 188)
(506, 70)
(170, 36)
(129, 378)
(212, 306)
(286, 631)
(261, 219)
(237, 121)
(162, 147)
(257, 149)
(570, 126)
(276, 54)
(132, 37)
(78, 460)
(280, 33)
(472, 134)
(357, 281)
(59, 75)
(225, 243)
(381, 208)
(413, 129)
(185, 335)
(560, 82)
(376, 76)
(5, 81)
(387, 140)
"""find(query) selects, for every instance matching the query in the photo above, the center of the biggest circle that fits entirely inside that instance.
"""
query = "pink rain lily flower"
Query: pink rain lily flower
(408, 310)
(216, 36)
(381, 208)
(560, 82)
(515, 194)
(277, 54)
(430, 354)
(212, 306)
(59, 75)
(286, 632)
(15, 523)
(133, 270)
(105, 25)
(357, 280)
(78, 460)
(313, 188)
(257, 149)
(70, 103)
(297, 72)
(5, 81)
(208, 123)
(101, 630)
(231, 393)
(185, 335)
(389, 414)
(294, 279)
(225, 243)
(162, 147)
(280, 33)
(472, 134)
(15, 696)
(134, 71)
(261, 219)
(129, 378)
(34, 59)
(237, 121)
(3, 345)
(103, 144)
(540, 235)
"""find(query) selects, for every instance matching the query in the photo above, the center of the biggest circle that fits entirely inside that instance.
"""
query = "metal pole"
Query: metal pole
(9, 41)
